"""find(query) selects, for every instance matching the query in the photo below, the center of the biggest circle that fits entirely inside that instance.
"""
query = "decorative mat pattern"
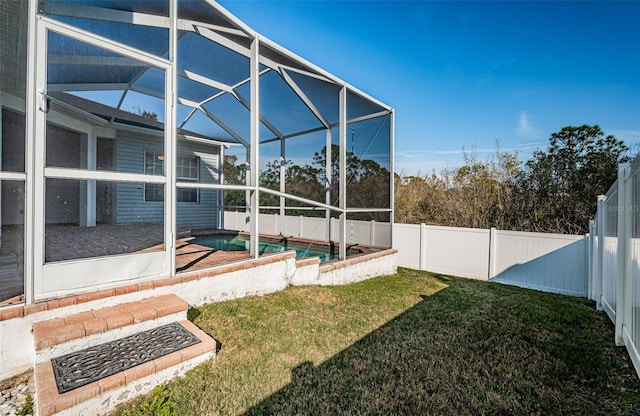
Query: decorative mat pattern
(91, 364)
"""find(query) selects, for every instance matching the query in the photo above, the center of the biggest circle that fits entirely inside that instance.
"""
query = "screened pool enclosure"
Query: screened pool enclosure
(131, 129)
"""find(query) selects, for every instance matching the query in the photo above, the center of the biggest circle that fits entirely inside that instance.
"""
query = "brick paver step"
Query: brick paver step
(57, 331)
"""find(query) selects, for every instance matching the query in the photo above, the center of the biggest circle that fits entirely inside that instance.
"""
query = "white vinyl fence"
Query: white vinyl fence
(370, 233)
(614, 264)
(550, 262)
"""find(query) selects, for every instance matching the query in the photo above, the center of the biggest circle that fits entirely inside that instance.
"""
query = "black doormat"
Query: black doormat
(84, 367)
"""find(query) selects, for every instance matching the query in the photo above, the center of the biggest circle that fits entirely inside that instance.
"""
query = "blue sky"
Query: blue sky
(462, 75)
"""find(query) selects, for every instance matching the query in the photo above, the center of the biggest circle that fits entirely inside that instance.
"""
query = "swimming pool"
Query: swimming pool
(240, 242)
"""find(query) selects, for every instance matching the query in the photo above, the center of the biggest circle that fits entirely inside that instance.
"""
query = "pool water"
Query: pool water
(234, 242)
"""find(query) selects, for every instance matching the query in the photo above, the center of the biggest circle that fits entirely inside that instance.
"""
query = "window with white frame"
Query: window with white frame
(187, 168)
(153, 165)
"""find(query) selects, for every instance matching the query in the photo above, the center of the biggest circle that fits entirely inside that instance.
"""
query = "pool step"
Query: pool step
(135, 329)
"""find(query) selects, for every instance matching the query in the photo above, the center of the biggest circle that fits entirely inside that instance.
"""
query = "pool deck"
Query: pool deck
(64, 242)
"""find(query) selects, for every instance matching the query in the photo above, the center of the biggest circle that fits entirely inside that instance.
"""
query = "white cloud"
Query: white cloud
(524, 125)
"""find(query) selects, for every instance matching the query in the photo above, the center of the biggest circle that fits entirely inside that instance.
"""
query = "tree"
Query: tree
(367, 183)
(234, 174)
(559, 186)
(477, 194)
(555, 191)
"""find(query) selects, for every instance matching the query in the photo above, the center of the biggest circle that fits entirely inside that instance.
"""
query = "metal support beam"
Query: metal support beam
(31, 88)
(254, 148)
(343, 173)
(283, 176)
(327, 185)
(392, 183)
(171, 140)
(220, 192)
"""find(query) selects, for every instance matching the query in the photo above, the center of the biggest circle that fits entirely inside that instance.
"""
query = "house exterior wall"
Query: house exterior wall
(130, 204)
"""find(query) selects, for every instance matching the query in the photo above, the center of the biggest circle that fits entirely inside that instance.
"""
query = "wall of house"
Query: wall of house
(129, 197)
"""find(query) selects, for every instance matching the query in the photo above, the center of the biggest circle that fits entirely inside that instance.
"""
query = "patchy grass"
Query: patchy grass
(413, 343)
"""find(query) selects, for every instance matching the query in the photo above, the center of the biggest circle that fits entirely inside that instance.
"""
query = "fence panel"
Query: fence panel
(234, 220)
(633, 275)
(550, 262)
(407, 241)
(616, 272)
(314, 229)
(358, 232)
(290, 226)
(268, 224)
(457, 251)
(382, 234)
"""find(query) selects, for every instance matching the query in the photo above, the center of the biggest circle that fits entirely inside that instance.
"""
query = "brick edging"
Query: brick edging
(307, 261)
(19, 311)
(355, 260)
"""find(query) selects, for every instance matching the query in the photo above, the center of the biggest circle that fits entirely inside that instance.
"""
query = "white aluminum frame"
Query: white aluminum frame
(47, 277)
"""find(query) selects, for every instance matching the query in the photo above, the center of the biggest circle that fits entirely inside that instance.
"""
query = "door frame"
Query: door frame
(89, 274)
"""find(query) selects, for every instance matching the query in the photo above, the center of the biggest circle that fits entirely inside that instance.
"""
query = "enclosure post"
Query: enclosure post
(343, 173)
(171, 145)
(30, 130)
(283, 176)
(392, 183)
(600, 233)
(220, 191)
(253, 149)
(328, 181)
(623, 287)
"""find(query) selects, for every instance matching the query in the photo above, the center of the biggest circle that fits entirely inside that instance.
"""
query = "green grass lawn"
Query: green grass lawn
(412, 343)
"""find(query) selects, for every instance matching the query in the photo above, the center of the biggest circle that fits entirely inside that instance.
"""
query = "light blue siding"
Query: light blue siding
(130, 204)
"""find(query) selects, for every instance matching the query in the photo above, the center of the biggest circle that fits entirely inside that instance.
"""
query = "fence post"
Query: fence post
(492, 253)
(276, 224)
(301, 224)
(372, 233)
(590, 255)
(600, 232)
(623, 281)
(422, 254)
